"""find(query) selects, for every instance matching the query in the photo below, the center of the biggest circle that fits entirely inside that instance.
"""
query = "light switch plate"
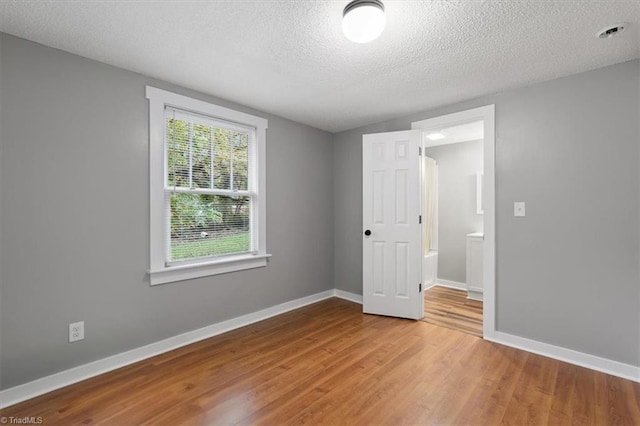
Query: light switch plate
(518, 209)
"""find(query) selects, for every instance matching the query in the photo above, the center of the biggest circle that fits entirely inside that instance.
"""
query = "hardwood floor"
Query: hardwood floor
(329, 363)
(448, 307)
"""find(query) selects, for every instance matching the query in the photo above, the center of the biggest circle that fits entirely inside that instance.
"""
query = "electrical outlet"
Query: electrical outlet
(76, 331)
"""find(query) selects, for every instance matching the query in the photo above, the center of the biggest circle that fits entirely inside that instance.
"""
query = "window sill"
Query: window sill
(186, 272)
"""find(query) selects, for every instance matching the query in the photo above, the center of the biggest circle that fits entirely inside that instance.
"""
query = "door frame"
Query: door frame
(487, 114)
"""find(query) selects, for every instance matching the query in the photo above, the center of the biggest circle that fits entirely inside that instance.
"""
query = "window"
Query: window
(207, 188)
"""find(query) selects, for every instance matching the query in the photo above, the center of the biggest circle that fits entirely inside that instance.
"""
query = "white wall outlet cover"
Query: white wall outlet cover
(518, 209)
(76, 331)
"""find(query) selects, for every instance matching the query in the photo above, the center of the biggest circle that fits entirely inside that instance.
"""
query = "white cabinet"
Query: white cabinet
(474, 265)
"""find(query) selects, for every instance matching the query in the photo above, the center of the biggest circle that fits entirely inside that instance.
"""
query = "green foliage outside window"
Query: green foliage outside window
(204, 157)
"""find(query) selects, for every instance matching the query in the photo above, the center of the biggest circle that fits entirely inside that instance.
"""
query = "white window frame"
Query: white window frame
(159, 271)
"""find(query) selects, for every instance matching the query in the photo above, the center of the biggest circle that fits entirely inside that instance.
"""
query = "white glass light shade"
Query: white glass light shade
(363, 21)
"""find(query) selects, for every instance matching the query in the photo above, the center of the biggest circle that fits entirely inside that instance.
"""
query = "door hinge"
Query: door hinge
(420, 219)
(420, 288)
(419, 150)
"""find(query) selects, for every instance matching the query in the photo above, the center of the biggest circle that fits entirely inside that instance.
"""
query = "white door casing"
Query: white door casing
(392, 257)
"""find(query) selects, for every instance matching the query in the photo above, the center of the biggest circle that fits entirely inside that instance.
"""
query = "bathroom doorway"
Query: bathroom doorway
(393, 253)
(457, 212)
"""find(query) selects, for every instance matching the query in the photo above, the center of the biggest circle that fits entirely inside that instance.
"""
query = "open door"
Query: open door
(392, 237)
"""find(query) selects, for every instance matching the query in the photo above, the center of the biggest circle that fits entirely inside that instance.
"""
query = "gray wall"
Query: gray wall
(75, 217)
(458, 165)
(567, 273)
(74, 214)
(1, 180)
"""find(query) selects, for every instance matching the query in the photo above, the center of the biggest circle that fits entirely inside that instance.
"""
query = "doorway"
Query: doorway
(452, 228)
(393, 203)
(458, 175)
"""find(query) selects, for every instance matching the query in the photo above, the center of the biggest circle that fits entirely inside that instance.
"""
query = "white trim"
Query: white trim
(451, 284)
(487, 114)
(50, 383)
(159, 272)
(592, 362)
(201, 107)
(474, 295)
(196, 270)
(615, 368)
(68, 377)
(352, 297)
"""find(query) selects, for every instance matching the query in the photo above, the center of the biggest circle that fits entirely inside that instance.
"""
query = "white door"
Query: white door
(391, 240)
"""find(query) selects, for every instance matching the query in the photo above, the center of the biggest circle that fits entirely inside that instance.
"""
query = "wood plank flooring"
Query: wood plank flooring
(448, 307)
(330, 364)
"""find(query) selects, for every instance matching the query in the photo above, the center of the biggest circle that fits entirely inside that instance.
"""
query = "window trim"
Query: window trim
(159, 272)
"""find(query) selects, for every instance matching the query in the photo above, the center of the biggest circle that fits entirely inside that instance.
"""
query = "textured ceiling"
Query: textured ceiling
(290, 58)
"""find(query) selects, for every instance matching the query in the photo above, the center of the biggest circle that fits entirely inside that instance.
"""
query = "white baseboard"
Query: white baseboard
(50, 383)
(55, 381)
(352, 297)
(474, 295)
(615, 368)
(451, 284)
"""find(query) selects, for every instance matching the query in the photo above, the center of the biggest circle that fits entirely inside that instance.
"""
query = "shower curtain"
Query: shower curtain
(430, 194)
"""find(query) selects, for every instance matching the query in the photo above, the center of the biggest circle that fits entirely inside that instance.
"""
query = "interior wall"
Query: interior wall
(75, 217)
(1, 180)
(458, 165)
(568, 272)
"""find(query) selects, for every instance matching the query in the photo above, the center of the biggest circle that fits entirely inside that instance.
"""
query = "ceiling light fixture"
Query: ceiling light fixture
(363, 20)
(435, 136)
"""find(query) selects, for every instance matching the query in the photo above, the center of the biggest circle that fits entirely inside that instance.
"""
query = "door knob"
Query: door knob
(367, 232)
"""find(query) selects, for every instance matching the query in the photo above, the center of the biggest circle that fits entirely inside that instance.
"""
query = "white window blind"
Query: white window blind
(209, 187)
